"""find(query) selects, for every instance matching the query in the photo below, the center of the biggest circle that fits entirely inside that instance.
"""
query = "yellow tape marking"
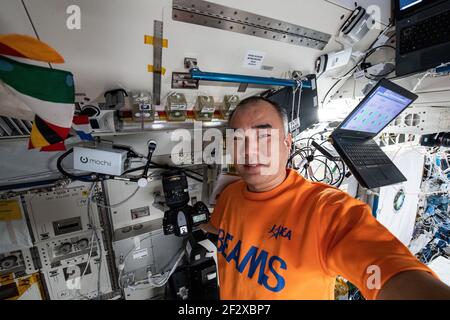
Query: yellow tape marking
(10, 210)
(150, 68)
(150, 40)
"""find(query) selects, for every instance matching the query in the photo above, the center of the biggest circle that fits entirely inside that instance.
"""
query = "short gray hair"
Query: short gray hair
(255, 99)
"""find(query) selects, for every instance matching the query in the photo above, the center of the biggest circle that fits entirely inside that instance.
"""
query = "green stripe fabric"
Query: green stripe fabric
(41, 83)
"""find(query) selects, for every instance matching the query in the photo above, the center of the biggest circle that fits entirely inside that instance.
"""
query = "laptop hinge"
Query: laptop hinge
(350, 137)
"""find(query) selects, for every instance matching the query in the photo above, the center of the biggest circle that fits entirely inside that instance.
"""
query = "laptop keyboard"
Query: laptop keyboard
(366, 154)
(426, 33)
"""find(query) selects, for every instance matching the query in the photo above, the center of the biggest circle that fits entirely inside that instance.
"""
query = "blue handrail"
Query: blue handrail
(196, 74)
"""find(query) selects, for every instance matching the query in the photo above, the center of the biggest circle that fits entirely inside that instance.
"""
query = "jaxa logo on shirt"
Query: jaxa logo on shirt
(257, 259)
(280, 231)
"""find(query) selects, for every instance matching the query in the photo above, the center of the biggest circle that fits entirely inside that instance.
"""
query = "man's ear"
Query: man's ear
(288, 141)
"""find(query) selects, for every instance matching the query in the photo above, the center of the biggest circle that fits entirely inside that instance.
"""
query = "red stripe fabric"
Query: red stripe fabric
(60, 146)
(54, 131)
(8, 51)
(30, 144)
(60, 131)
(80, 120)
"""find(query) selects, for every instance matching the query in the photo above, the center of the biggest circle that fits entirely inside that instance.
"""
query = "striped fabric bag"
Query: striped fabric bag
(47, 92)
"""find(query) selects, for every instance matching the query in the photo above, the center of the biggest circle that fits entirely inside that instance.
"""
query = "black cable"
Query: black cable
(307, 149)
(371, 52)
(165, 167)
(325, 175)
(151, 148)
(343, 175)
(392, 36)
(311, 138)
(357, 64)
(131, 152)
(193, 178)
(302, 152)
(32, 26)
(89, 178)
(195, 172)
(298, 152)
(331, 173)
(293, 155)
(99, 265)
(336, 83)
(332, 182)
(133, 170)
(310, 152)
(84, 178)
(379, 76)
(301, 139)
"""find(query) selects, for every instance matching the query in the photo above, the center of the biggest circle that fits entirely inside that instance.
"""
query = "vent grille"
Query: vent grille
(11, 127)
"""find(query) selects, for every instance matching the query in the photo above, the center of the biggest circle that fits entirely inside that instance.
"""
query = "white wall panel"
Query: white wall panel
(109, 50)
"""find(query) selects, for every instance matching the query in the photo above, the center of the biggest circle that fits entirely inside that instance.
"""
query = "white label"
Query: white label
(139, 254)
(339, 59)
(183, 230)
(178, 107)
(211, 276)
(294, 124)
(144, 107)
(208, 109)
(96, 160)
(254, 59)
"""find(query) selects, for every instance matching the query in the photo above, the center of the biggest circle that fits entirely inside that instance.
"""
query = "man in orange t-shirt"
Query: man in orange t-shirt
(281, 236)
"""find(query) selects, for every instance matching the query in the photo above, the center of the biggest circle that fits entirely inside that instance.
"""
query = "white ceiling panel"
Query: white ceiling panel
(109, 51)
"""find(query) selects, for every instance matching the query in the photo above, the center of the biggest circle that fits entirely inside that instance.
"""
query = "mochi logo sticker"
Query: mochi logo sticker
(84, 159)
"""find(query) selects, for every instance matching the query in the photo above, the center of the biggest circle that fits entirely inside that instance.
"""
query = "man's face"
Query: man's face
(261, 160)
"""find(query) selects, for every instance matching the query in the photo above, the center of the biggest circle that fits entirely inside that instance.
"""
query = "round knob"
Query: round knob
(142, 182)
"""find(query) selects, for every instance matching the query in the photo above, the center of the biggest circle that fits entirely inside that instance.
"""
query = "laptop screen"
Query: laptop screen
(377, 111)
(404, 8)
(406, 4)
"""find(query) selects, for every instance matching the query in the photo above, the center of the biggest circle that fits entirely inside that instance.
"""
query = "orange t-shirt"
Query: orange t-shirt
(291, 243)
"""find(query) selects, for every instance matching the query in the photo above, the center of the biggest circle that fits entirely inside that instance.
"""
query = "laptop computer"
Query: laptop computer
(353, 138)
(423, 35)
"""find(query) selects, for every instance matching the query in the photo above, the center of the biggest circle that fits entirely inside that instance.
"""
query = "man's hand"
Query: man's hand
(414, 285)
